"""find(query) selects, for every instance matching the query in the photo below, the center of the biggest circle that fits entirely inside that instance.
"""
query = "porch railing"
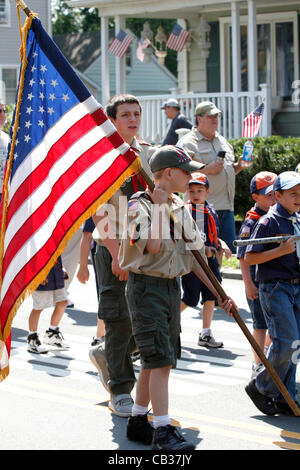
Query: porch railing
(235, 107)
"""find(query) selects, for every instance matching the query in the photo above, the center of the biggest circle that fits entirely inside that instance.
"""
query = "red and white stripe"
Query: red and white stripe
(80, 157)
(251, 125)
(119, 48)
(177, 43)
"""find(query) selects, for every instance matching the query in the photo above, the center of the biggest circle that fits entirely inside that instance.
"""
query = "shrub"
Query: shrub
(274, 153)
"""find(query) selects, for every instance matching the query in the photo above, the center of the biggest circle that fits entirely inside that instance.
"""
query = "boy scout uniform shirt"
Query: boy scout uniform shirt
(285, 267)
(247, 229)
(222, 185)
(116, 207)
(174, 258)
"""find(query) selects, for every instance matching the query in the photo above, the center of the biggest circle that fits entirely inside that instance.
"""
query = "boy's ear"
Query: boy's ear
(254, 196)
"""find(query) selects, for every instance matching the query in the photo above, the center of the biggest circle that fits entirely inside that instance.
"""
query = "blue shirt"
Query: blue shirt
(284, 267)
(179, 122)
(247, 229)
(89, 225)
(55, 278)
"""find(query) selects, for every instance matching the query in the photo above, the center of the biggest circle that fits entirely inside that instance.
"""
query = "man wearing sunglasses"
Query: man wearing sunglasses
(4, 141)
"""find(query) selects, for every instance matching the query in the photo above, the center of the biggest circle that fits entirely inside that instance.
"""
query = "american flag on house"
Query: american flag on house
(251, 123)
(66, 158)
(120, 44)
(177, 38)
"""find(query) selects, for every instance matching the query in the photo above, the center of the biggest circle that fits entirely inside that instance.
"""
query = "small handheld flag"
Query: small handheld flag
(120, 44)
(177, 38)
(251, 123)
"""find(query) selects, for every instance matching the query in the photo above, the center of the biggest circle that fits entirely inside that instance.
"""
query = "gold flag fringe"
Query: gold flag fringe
(23, 53)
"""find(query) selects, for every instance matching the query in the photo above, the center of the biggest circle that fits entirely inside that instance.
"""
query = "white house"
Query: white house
(10, 42)
(235, 47)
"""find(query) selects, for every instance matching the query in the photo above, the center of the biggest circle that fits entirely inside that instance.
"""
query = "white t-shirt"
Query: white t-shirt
(4, 141)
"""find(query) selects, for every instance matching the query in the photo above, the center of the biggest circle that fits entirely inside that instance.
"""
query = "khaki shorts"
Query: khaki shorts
(48, 298)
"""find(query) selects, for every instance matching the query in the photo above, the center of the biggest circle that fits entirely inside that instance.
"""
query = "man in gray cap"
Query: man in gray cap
(179, 121)
(203, 143)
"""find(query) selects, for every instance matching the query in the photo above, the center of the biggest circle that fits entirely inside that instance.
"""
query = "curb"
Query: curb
(231, 274)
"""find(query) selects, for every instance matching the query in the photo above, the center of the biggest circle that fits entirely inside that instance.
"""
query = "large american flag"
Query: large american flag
(177, 38)
(251, 123)
(66, 158)
(120, 44)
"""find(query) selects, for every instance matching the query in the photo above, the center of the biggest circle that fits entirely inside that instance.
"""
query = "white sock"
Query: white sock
(32, 332)
(139, 410)
(53, 327)
(205, 331)
(162, 420)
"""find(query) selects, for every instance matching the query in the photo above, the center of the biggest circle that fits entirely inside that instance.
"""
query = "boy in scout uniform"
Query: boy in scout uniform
(278, 274)
(156, 256)
(113, 359)
(261, 188)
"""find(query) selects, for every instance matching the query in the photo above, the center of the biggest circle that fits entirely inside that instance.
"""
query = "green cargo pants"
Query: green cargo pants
(113, 310)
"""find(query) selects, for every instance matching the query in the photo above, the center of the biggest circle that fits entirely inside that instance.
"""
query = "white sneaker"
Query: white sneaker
(55, 338)
(34, 345)
(208, 340)
(121, 405)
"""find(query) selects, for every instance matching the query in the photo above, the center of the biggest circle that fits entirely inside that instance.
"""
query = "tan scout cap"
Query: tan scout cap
(208, 108)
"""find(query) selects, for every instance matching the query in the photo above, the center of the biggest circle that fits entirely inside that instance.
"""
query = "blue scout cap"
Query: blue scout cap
(199, 178)
(262, 182)
(286, 180)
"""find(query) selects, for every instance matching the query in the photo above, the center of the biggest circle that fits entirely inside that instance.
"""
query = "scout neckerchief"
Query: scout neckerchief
(209, 220)
(295, 219)
(254, 213)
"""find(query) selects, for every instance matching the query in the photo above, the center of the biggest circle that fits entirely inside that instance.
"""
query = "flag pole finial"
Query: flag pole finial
(24, 7)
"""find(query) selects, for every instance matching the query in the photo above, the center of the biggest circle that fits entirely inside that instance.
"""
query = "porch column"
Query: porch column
(120, 63)
(252, 52)
(236, 66)
(104, 61)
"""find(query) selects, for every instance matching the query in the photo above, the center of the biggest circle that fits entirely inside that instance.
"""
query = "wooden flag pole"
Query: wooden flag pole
(275, 377)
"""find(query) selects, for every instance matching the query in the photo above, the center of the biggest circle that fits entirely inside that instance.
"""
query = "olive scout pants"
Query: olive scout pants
(113, 310)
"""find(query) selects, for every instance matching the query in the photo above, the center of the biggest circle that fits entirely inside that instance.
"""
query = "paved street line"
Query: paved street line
(24, 388)
(287, 445)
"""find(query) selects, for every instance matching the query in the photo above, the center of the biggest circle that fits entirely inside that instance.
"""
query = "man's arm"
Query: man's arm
(85, 246)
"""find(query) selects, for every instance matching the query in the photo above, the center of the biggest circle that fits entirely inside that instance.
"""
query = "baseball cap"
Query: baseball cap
(171, 102)
(208, 108)
(199, 178)
(286, 180)
(262, 183)
(171, 156)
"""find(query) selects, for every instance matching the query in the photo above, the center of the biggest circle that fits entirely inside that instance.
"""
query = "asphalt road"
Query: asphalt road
(56, 401)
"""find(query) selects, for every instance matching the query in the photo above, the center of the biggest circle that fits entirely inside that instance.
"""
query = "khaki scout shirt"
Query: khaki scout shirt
(222, 185)
(175, 257)
(116, 206)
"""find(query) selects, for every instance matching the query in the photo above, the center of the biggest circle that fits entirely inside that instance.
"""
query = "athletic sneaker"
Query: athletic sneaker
(98, 359)
(135, 356)
(34, 345)
(121, 405)
(96, 341)
(169, 438)
(55, 338)
(139, 429)
(208, 340)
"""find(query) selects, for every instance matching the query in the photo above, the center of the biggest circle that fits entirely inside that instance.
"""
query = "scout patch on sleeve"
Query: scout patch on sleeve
(245, 232)
(133, 206)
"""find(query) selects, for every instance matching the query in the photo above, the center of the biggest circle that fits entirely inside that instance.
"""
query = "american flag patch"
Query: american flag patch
(132, 206)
